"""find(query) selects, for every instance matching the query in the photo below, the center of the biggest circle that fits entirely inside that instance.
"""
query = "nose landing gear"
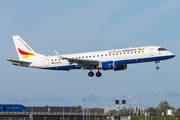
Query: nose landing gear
(157, 67)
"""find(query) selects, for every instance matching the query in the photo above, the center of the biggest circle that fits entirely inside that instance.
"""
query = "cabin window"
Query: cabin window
(83, 57)
(79, 57)
(138, 51)
(109, 54)
(97, 55)
(120, 53)
(116, 53)
(101, 55)
(89, 56)
(124, 53)
(113, 54)
(105, 54)
(76, 58)
(86, 56)
(93, 55)
(131, 52)
(127, 52)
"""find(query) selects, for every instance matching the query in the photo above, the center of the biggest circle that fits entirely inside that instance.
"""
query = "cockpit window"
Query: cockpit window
(162, 49)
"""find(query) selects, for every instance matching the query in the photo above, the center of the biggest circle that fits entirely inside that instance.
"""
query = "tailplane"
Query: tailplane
(25, 52)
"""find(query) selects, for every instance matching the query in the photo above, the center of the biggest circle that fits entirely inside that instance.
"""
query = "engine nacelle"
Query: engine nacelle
(121, 67)
(108, 65)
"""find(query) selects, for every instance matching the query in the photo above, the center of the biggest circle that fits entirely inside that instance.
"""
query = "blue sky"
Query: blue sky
(83, 26)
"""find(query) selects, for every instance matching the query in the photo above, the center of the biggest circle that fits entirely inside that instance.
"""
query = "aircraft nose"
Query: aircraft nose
(172, 55)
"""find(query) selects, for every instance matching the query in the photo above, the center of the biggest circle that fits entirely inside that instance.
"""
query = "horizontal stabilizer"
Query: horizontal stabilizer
(20, 63)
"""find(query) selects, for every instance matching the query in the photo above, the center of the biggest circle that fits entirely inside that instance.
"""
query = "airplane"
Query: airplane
(116, 60)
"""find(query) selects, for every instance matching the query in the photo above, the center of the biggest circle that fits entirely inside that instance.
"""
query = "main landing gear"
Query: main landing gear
(91, 74)
(157, 67)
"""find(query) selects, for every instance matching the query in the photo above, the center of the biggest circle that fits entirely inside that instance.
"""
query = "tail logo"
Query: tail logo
(26, 54)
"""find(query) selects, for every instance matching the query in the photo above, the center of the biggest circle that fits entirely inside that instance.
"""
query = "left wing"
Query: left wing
(81, 62)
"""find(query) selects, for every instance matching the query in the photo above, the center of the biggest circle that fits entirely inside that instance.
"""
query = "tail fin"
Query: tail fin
(25, 52)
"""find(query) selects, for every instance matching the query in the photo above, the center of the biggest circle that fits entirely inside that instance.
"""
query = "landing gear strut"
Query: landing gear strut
(157, 67)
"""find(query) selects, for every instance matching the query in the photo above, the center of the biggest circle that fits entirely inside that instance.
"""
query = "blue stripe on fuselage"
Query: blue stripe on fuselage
(150, 59)
(130, 61)
(68, 67)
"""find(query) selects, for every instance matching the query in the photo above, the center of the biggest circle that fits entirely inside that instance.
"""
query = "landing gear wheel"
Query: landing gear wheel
(98, 74)
(157, 67)
(91, 74)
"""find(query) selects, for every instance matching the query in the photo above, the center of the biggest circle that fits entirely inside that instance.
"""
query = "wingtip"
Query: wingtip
(56, 52)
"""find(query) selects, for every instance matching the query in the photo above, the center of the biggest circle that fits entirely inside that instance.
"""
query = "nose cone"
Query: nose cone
(171, 55)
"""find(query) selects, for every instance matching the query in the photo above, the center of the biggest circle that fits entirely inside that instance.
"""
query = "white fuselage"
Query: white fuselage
(120, 56)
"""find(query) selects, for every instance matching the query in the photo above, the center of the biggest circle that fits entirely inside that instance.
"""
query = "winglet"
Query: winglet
(61, 57)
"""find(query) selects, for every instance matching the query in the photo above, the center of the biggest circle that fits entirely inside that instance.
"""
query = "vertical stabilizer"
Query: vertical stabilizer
(25, 52)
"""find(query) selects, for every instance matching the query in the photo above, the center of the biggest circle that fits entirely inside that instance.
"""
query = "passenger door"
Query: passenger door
(46, 62)
(151, 52)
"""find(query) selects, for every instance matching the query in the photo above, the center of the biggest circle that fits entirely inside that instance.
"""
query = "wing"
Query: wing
(86, 64)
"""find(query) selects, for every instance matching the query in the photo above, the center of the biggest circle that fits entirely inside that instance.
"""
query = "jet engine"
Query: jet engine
(121, 67)
(107, 65)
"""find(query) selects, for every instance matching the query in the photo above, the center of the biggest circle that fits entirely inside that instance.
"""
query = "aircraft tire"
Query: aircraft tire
(98, 74)
(157, 67)
(91, 74)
